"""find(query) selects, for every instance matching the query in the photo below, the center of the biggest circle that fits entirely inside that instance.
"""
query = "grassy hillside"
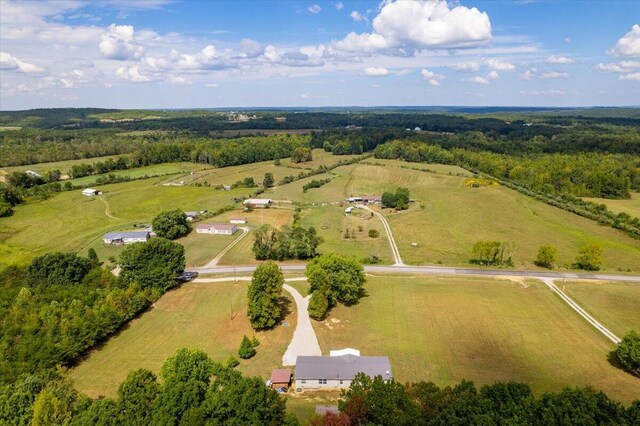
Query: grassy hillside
(445, 329)
(449, 217)
(211, 317)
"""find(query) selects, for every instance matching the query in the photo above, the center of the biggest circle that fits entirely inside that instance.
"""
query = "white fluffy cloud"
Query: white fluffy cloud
(376, 71)
(132, 74)
(618, 67)
(356, 16)
(554, 59)
(529, 74)
(314, 8)
(11, 63)
(339, 5)
(493, 75)
(478, 80)
(431, 77)
(498, 65)
(632, 76)
(554, 74)
(419, 24)
(119, 43)
(629, 45)
(470, 66)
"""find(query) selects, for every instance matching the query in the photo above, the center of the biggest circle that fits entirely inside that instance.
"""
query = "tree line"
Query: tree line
(379, 402)
(63, 304)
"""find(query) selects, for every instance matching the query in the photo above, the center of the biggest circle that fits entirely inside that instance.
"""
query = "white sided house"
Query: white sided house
(216, 228)
(337, 372)
(191, 216)
(238, 220)
(259, 203)
(120, 238)
(90, 192)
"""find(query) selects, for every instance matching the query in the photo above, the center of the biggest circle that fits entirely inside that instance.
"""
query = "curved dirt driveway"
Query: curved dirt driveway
(304, 341)
(392, 242)
(215, 260)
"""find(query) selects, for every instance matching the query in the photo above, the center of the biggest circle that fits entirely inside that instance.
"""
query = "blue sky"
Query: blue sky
(184, 54)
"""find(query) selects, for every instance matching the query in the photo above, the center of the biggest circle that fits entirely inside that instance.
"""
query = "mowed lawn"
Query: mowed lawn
(449, 217)
(630, 207)
(241, 253)
(331, 223)
(207, 316)
(445, 329)
(70, 221)
(614, 304)
(320, 158)
(200, 249)
(63, 166)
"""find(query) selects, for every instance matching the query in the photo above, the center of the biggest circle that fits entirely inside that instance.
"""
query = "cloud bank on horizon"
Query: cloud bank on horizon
(170, 54)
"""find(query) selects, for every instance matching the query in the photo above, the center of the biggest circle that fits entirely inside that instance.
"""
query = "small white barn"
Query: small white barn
(348, 210)
(216, 228)
(90, 192)
(257, 202)
(120, 238)
(354, 199)
(238, 220)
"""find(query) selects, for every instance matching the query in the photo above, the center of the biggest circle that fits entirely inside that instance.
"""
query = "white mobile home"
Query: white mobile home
(238, 220)
(257, 202)
(216, 228)
(119, 238)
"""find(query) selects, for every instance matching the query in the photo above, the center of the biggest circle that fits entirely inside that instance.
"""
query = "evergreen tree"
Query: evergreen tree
(247, 350)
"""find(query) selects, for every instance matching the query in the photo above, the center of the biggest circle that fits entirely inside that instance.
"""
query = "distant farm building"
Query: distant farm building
(191, 215)
(120, 238)
(354, 199)
(280, 378)
(281, 119)
(371, 199)
(337, 372)
(348, 210)
(257, 202)
(33, 174)
(238, 220)
(90, 192)
(216, 228)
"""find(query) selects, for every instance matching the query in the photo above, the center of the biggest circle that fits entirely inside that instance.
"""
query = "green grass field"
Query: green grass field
(63, 166)
(630, 207)
(455, 216)
(320, 158)
(616, 305)
(445, 329)
(331, 224)
(193, 316)
(443, 169)
(138, 172)
(70, 221)
(241, 253)
(200, 249)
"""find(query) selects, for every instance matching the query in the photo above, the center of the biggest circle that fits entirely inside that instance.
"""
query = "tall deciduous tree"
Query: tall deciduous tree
(268, 180)
(546, 257)
(264, 296)
(153, 264)
(627, 354)
(57, 269)
(340, 277)
(589, 257)
(171, 224)
(136, 396)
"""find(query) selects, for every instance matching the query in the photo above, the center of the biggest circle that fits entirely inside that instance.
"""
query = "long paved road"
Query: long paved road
(441, 270)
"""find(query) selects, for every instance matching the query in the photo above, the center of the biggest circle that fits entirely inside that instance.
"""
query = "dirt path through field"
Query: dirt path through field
(216, 259)
(392, 242)
(591, 320)
(107, 209)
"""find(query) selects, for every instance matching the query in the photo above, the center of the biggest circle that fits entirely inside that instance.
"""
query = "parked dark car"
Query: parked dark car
(187, 276)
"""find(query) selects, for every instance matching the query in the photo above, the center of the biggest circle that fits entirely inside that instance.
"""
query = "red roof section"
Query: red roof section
(281, 376)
